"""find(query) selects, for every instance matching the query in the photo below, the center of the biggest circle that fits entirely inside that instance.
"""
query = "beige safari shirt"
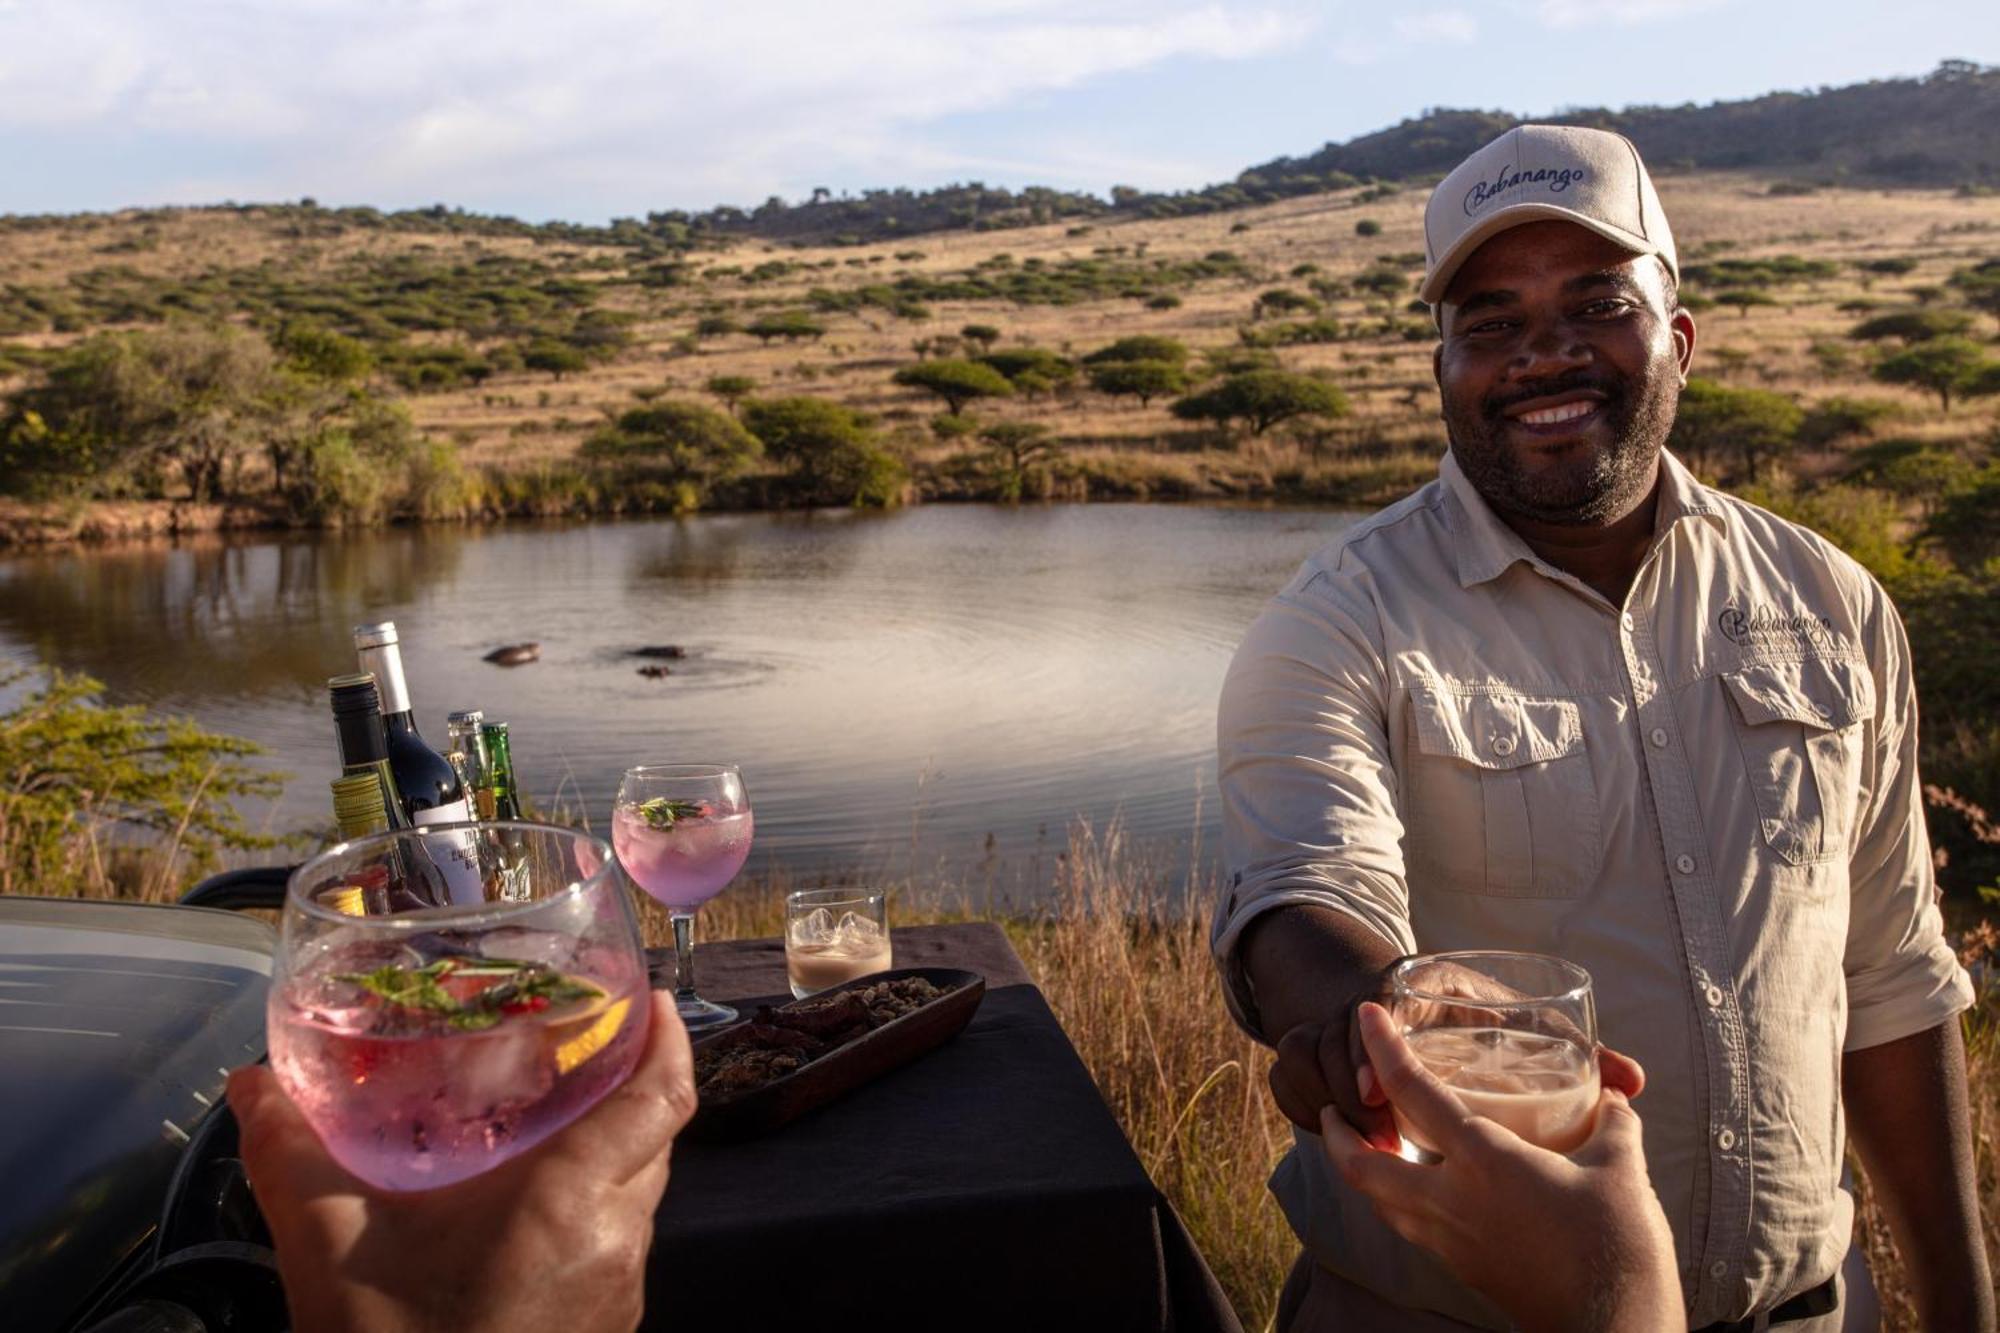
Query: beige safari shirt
(1707, 797)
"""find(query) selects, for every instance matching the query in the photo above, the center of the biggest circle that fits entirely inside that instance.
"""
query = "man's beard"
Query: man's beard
(1583, 488)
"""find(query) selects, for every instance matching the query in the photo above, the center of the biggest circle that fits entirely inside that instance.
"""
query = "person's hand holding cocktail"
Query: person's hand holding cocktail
(469, 1112)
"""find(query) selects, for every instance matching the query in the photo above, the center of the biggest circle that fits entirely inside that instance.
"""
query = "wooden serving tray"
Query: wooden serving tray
(760, 1110)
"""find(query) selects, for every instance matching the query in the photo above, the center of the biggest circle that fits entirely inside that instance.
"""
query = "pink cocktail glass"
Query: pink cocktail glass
(428, 1045)
(682, 832)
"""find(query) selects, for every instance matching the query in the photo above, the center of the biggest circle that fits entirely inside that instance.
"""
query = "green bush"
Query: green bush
(1141, 347)
(77, 778)
(1913, 326)
(1144, 380)
(830, 454)
(1839, 419)
(955, 382)
(791, 325)
(688, 446)
(1262, 399)
(1368, 227)
(1751, 426)
(1946, 366)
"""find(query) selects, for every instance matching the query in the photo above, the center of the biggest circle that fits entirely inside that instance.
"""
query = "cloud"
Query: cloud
(608, 101)
(1626, 13)
(1442, 25)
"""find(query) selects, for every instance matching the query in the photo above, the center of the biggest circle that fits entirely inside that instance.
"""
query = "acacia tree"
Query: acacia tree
(1017, 447)
(731, 389)
(1263, 398)
(955, 382)
(829, 451)
(1144, 380)
(1945, 366)
(689, 446)
(1755, 425)
(122, 412)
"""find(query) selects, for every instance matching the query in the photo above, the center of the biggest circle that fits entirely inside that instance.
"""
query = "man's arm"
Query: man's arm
(1310, 967)
(1903, 1069)
(1907, 1113)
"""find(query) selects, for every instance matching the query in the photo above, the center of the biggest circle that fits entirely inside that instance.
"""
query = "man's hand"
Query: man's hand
(1568, 1245)
(555, 1238)
(1324, 1064)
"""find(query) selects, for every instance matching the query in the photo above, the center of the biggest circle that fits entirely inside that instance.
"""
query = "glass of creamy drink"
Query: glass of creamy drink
(1513, 1035)
(834, 935)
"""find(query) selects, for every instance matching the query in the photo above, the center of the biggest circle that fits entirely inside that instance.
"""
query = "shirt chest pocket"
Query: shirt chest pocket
(1500, 798)
(1798, 725)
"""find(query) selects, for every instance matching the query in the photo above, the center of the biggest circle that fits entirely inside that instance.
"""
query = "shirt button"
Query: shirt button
(1714, 997)
(1631, 621)
(1725, 1140)
(1503, 746)
(1684, 863)
(1659, 737)
(1718, 1269)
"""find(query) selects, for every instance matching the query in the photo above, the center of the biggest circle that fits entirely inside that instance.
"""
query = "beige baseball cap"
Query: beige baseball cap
(1593, 178)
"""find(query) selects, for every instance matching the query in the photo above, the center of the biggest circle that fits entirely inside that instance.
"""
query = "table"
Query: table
(986, 1185)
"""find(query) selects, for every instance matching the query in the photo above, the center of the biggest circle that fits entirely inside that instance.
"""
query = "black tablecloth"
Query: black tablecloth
(985, 1185)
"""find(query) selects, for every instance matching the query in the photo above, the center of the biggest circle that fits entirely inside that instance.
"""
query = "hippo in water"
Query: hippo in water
(515, 654)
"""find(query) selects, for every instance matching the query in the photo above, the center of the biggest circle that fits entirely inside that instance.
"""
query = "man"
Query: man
(1568, 699)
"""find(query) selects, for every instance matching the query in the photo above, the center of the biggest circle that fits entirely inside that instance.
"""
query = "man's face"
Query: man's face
(1559, 369)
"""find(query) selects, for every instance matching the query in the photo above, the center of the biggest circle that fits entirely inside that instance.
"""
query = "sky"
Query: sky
(591, 109)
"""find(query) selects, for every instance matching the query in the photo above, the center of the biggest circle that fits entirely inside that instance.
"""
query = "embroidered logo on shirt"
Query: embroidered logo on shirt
(1763, 624)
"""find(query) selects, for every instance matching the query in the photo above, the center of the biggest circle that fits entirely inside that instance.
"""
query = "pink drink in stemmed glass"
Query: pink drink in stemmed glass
(682, 832)
(686, 863)
(427, 1046)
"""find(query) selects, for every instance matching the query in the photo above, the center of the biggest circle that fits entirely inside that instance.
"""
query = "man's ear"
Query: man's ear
(1437, 365)
(1683, 333)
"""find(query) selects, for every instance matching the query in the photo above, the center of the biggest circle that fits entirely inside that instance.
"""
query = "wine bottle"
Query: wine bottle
(425, 780)
(429, 786)
(365, 802)
(364, 742)
(499, 789)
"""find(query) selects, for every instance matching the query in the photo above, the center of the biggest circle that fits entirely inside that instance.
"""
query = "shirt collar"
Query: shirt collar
(1487, 547)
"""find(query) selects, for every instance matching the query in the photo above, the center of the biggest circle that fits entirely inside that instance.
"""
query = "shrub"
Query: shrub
(76, 776)
(1163, 301)
(1944, 366)
(791, 325)
(556, 358)
(1913, 471)
(956, 382)
(1141, 347)
(1752, 425)
(1963, 521)
(1839, 419)
(716, 326)
(688, 446)
(1144, 380)
(1280, 301)
(828, 451)
(1031, 369)
(1368, 227)
(1742, 298)
(1017, 448)
(1263, 398)
(1913, 326)
(984, 335)
(731, 389)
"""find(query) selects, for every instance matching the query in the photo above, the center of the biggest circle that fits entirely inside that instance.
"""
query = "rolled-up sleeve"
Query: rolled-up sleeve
(1309, 806)
(1902, 976)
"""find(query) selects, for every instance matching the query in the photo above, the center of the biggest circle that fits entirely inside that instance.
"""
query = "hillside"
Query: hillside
(1941, 130)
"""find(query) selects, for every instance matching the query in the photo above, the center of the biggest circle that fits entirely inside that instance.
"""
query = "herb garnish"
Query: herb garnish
(519, 987)
(662, 813)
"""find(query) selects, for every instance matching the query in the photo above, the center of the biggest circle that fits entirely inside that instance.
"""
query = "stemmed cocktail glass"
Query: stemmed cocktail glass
(682, 832)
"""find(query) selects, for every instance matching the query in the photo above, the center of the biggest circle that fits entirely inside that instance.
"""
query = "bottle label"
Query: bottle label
(456, 853)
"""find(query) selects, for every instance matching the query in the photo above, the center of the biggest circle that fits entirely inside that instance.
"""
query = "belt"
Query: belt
(1823, 1299)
